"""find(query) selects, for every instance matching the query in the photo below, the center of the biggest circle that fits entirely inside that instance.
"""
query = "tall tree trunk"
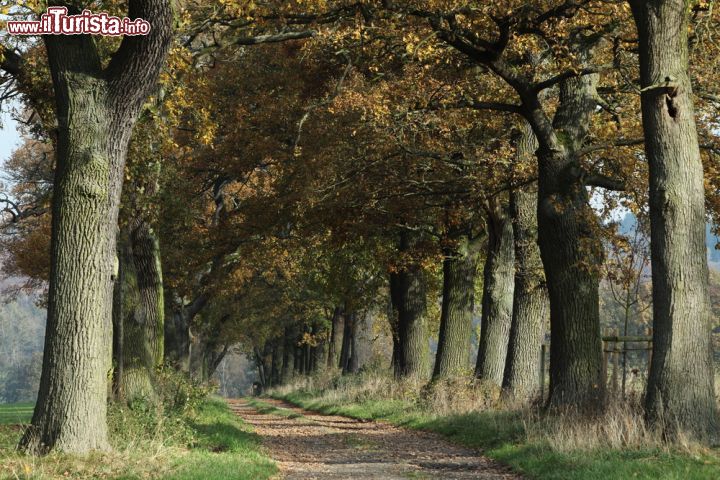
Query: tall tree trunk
(566, 245)
(276, 364)
(288, 364)
(497, 297)
(143, 312)
(571, 250)
(320, 352)
(335, 340)
(680, 394)
(408, 290)
(261, 367)
(354, 360)
(96, 109)
(347, 342)
(362, 340)
(530, 298)
(530, 302)
(458, 302)
(392, 316)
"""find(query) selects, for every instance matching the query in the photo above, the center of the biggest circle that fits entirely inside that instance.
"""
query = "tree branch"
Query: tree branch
(603, 181)
(136, 64)
(11, 61)
(276, 38)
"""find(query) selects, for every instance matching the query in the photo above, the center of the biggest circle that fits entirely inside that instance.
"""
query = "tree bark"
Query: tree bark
(288, 364)
(347, 342)
(262, 370)
(680, 394)
(530, 298)
(408, 293)
(276, 363)
(497, 297)
(458, 303)
(335, 341)
(570, 248)
(118, 335)
(567, 226)
(96, 109)
(143, 312)
(362, 340)
(177, 330)
(320, 352)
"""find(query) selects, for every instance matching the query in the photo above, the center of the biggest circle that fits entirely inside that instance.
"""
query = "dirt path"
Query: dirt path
(311, 445)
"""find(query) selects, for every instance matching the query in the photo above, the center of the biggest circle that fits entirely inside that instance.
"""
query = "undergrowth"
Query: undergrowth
(188, 434)
(567, 446)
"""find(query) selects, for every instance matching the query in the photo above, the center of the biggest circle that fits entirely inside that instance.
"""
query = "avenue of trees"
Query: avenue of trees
(294, 178)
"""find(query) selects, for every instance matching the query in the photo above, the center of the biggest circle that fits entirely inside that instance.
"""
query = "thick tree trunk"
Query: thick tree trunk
(458, 303)
(530, 302)
(680, 394)
(571, 253)
(96, 109)
(530, 298)
(362, 340)
(143, 312)
(497, 298)
(335, 340)
(408, 293)
(71, 407)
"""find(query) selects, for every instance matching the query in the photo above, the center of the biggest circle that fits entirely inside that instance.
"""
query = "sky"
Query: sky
(9, 139)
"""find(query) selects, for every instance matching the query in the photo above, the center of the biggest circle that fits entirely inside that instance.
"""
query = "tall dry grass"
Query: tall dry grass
(620, 426)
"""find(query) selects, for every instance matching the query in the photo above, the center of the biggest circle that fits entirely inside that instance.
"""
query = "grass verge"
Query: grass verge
(15, 413)
(209, 442)
(517, 440)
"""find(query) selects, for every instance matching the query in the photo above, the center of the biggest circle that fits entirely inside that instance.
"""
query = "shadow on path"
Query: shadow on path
(312, 445)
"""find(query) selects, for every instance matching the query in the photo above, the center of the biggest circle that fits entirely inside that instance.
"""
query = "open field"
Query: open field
(15, 413)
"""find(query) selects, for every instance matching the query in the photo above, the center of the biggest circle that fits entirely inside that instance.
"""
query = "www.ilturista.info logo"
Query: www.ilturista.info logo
(57, 22)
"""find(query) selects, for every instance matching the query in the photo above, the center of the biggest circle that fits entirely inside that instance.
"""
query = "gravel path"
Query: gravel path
(312, 445)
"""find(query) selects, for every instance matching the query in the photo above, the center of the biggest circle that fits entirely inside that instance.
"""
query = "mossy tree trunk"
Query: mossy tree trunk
(530, 299)
(336, 336)
(458, 302)
(571, 251)
(320, 352)
(497, 300)
(680, 393)
(408, 291)
(96, 108)
(143, 311)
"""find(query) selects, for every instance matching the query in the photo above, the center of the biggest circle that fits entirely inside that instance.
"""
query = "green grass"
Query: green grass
(209, 443)
(501, 436)
(15, 413)
(224, 448)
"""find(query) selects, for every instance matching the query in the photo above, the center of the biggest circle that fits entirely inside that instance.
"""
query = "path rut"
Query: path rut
(312, 446)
